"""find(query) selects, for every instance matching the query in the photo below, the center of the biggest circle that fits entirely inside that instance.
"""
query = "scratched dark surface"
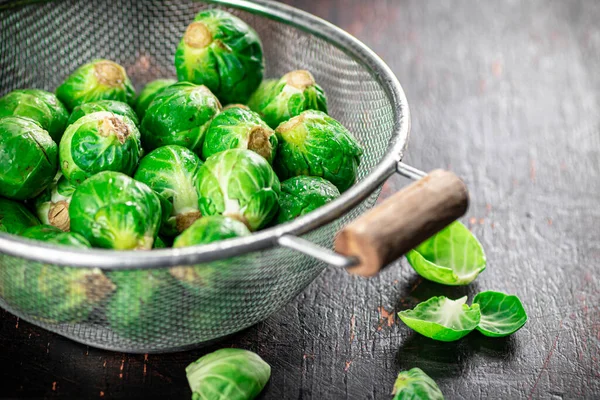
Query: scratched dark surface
(506, 94)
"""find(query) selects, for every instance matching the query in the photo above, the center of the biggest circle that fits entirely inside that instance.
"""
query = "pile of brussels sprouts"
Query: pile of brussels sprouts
(117, 170)
(217, 154)
(95, 165)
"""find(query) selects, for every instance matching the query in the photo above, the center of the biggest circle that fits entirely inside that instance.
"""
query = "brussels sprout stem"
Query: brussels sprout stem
(187, 274)
(258, 141)
(114, 125)
(183, 221)
(300, 79)
(58, 215)
(96, 286)
(197, 36)
(109, 74)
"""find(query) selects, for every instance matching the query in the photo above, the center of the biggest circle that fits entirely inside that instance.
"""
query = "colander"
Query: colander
(247, 279)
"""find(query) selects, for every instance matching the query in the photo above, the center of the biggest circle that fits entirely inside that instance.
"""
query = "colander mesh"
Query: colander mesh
(40, 45)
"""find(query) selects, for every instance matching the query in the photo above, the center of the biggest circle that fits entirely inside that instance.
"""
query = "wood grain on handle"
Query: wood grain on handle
(403, 221)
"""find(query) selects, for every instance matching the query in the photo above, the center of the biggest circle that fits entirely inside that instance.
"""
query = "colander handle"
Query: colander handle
(403, 221)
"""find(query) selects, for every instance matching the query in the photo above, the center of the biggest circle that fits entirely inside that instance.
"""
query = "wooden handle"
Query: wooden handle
(403, 221)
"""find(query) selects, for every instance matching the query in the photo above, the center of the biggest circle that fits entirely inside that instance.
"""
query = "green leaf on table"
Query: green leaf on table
(416, 385)
(442, 319)
(501, 314)
(232, 374)
(453, 256)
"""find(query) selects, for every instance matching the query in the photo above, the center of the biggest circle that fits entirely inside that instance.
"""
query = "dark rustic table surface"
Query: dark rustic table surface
(507, 95)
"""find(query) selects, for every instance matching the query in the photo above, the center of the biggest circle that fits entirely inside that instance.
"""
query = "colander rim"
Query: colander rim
(159, 258)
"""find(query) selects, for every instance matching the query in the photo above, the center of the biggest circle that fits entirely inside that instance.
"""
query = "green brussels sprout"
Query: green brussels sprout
(315, 144)
(276, 101)
(114, 211)
(41, 106)
(232, 374)
(198, 278)
(223, 53)
(52, 205)
(113, 106)
(50, 293)
(144, 305)
(239, 184)
(148, 93)
(15, 217)
(101, 141)
(179, 114)
(172, 172)
(28, 158)
(239, 128)
(97, 80)
(303, 194)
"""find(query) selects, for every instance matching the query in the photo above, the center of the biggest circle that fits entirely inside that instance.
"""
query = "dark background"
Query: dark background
(504, 93)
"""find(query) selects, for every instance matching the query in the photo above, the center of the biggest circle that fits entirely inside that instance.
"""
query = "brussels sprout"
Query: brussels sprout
(97, 142)
(501, 314)
(28, 158)
(416, 385)
(303, 194)
(52, 206)
(146, 304)
(41, 106)
(114, 211)
(113, 106)
(148, 94)
(223, 53)
(97, 80)
(276, 101)
(14, 217)
(179, 114)
(453, 256)
(50, 293)
(205, 230)
(442, 319)
(241, 129)
(172, 172)
(232, 374)
(239, 184)
(315, 144)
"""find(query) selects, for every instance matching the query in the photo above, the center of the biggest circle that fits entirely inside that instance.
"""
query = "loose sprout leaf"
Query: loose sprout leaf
(232, 374)
(416, 385)
(453, 256)
(442, 319)
(501, 314)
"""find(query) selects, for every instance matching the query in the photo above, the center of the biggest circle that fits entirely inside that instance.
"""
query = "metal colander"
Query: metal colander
(245, 280)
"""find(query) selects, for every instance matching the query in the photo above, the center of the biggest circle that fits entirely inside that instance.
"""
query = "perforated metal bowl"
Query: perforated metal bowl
(41, 43)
